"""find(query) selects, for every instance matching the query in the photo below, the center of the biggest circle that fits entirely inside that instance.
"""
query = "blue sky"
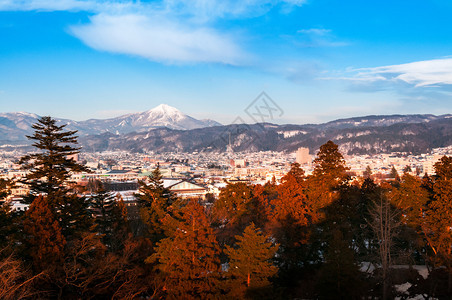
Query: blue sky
(317, 59)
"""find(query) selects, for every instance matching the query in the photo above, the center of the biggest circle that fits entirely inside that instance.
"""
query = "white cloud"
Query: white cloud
(213, 9)
(317, 37)
(210, 9)
(157, 39)
(46, 5)
(316, 31)
(170, 31)
(420, 74)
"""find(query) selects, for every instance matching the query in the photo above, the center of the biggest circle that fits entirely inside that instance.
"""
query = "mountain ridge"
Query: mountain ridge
(15, 125)
(357, 135)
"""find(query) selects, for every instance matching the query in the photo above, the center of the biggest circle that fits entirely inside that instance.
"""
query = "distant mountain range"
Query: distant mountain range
(165, 129)
(14, 126)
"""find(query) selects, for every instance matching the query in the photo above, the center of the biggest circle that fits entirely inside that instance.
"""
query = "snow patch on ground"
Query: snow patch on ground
(403, 288)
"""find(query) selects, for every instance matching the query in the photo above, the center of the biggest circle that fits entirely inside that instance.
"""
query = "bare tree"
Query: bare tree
(385, 223)
(14, 280)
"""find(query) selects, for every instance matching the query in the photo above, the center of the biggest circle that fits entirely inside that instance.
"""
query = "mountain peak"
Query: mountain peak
(165, 108)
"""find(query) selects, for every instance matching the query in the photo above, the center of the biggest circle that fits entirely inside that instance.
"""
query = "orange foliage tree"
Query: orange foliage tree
(188, 261)
(250, 264)
(43, 235)
(329, 173)
(439, 215)
(234, 210)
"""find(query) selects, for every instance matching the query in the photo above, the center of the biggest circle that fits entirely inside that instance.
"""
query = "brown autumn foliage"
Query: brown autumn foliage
(15, 281)
(43, 238)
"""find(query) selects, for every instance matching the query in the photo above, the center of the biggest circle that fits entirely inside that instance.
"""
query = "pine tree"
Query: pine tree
(340, 277)
(154, 200)
(367, 173)
(330, 164)
(329, 173)
(4, 189)
(439, 216)
(349, 215)
(234, 210)
(110, 216)
(49, 172)
(43, 235)
(250, 263)
(188, 261)
(412, 198)
(290, 219)
(7, 217)
(407, 169)
(291, 201)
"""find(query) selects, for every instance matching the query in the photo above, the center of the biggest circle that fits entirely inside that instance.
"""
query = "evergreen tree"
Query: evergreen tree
(49, 172)
(330, 164)
(250, 264)
(43, 238)
(368, 172)
(234, 209)
(154, 200)
(291, 201)
(4, 189)
(7, 217)
(50, 169)
(110, 216)
(290, 219)
(439, 217)
(188, 261)
(340, 277)
(412, 198)
(329, 173)
(407, 169)
(348, 215)
(394, 174)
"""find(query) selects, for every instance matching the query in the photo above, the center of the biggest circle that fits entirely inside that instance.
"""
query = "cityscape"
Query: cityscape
(209, 172)
(206, 149)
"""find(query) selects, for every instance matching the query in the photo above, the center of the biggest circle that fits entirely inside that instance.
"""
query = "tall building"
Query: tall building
(302, 156)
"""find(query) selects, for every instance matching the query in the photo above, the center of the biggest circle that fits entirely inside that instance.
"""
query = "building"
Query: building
(302, 156)
(185, 189)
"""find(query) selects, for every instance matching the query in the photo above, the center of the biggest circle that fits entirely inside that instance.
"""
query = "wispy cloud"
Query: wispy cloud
(170, 31)
(209, 8)
(427, 73)
(158, 39)
(46, 5)
(317, 37)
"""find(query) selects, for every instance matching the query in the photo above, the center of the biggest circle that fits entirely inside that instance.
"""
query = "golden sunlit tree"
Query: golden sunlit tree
(329, 173)
(188, 261)
(439, 217)
(234, 210)
(250, 264)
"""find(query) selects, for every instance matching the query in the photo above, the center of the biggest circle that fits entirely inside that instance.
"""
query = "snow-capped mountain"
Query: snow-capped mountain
(14, 126)
(165, 128)
(160, 116)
